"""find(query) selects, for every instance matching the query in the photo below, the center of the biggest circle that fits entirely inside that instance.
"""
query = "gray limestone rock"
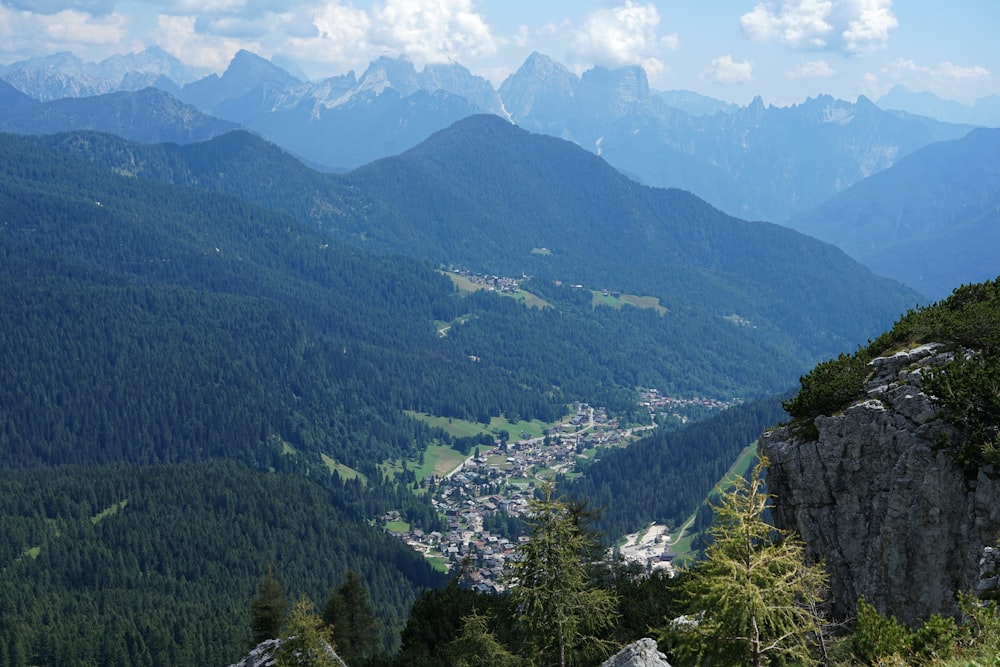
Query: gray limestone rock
(262, 655)
(874, 497)
(642, 653)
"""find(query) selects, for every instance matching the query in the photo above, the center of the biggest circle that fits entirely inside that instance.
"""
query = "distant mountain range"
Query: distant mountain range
(984, 112)
(932, 220)
(756, 162)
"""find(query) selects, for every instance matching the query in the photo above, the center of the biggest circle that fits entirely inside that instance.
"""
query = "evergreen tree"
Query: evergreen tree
(752, 599)
(476, 646)
(348, 613)
(560, 610)
(307, 641)
(267, 610)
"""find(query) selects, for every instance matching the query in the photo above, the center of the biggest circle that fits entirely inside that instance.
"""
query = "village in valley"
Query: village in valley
(499, 480)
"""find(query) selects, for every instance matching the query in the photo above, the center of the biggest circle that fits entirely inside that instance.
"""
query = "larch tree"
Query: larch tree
(558, 607)
(306, 643)
(753, 599)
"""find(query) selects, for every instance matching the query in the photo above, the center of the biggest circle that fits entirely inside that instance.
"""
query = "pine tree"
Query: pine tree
(559, 609)
(753, 599)
(267, 610)
(348, 612)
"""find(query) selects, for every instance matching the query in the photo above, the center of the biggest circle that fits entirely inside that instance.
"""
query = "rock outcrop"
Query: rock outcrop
(875, 497)
(263, 655)
(642, 653)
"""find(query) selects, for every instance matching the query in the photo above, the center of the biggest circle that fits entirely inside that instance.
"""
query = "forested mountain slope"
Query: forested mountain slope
(490, 197)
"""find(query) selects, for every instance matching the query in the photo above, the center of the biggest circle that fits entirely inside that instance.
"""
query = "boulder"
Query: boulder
(642, 653)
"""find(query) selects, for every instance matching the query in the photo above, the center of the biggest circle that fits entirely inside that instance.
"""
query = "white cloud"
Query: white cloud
(868, 26)
(342, 37)
(522, 36)
(24, 34)
(623, 35)
(814, 69)
(854, 27)
(798, 23)
(178, 36)
(726, 70)
(432, 31)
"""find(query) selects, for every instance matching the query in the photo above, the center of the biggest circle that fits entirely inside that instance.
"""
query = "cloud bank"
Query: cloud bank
(624, 35)
(853, 27)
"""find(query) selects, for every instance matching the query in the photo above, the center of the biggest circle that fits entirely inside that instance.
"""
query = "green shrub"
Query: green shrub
(830, 386)
(877, 638)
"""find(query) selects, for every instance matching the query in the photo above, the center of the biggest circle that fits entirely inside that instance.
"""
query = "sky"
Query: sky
(734, 50)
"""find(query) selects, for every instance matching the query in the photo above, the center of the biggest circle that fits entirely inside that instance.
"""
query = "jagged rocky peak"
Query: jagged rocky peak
(385, 72)
(457, 80)
(539, 82)
(627, 84)
(253, 70)
(874, 495)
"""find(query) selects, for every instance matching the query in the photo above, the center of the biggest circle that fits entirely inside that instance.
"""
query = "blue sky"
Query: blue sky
(784, 50)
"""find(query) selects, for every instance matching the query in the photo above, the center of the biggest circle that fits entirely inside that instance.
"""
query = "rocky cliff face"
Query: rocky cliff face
(893, 517)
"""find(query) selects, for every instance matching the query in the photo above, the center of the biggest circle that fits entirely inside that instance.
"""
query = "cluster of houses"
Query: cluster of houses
(496, 283)
(503, 478)
(680, 409)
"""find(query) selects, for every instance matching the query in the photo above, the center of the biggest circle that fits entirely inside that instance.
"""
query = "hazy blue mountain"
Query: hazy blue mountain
(12, 98)
(984, 112)
(695, 104)
(540, 90)
(65, 75)
(343, 121)
(150, 115)
(756, 162)
(932, 220)
(249, 85)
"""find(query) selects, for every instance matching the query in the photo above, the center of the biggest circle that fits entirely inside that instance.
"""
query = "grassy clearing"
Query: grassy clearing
(101, 516)
(460, 428)
(681, 539)
(399, 526)
(616, 302)
(344, 471)
(439, 460)
(439, 564)
(468, 286)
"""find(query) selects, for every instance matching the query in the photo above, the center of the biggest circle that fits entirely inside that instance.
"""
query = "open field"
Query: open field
(344, 471)
(467, 286)
(651, 302)
(461, 428)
